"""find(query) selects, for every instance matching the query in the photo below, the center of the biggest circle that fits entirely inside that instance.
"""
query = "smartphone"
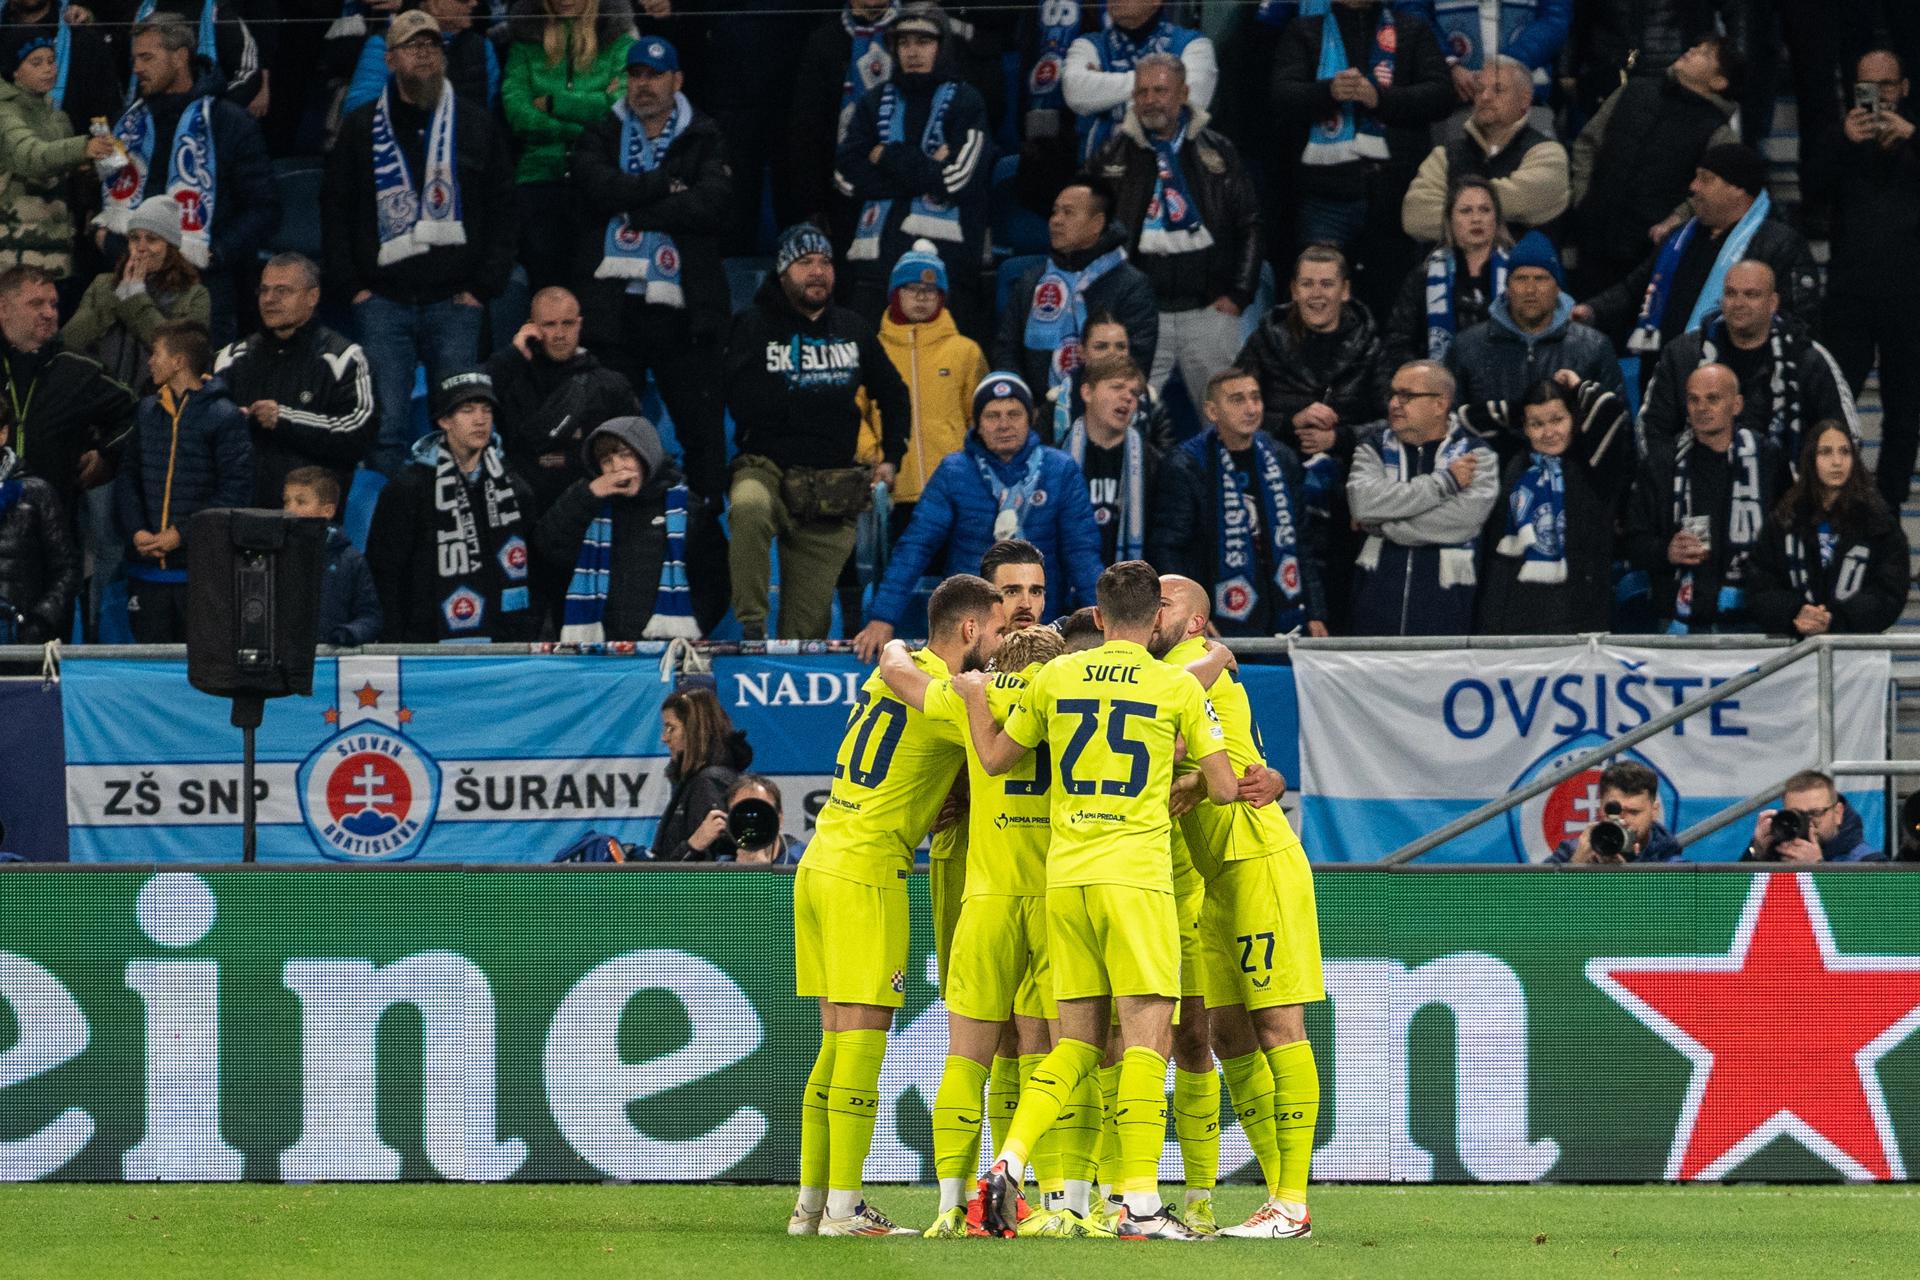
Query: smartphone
(1866, 97)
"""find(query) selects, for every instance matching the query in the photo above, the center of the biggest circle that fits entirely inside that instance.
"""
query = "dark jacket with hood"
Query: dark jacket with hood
(483, 168)
(1875, 194)
(39, 559)
(206, 462)
(810, 133)
(1222, 191)
(1344, 370)
(695, 796)
(686, 196)
(1774, 242)
(1849, 844)
(1815, 391)
(1661, 847)
(322, 384)
(639, 537)
(547, 410)
(1495, 361)
(349, 602)
(72, 408)
(246, 198)
(1644, 143)
(1863, 584)
(905, 170)
(792, 383)
(1124, 291)
(1405, 337)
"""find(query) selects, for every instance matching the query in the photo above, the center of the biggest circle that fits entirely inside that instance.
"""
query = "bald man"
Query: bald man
(553, 393)
(1787, 380)
(1697, 508)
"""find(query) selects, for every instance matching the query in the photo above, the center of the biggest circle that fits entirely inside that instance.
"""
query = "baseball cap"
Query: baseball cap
(653, 52)
(462, 388)
(408, 25)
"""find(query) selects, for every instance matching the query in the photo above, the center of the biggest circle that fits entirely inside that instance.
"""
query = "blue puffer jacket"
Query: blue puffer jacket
(211, 465)
(955, 514)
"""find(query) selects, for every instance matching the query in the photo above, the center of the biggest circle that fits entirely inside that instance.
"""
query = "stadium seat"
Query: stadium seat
(1006, 274)
(1013, 228)
(358, 517)
(744, 276)
(298, 180)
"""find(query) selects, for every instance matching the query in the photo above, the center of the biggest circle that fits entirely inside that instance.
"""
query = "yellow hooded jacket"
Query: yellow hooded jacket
(941, 367)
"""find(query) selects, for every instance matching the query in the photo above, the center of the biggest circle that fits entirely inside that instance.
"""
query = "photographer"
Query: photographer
(1630, 799)
(1814, 823)
(706, 755)
(754, 818)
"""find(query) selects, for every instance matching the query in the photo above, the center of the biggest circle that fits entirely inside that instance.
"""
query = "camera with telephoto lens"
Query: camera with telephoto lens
(1787, 824)
(1609, 837)
(753, 824)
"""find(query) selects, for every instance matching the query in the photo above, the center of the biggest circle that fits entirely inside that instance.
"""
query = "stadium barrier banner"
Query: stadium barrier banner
(1394, 745)
(1481, 1025)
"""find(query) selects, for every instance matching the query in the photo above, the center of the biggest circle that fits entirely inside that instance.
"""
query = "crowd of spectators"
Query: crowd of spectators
(1420, 317)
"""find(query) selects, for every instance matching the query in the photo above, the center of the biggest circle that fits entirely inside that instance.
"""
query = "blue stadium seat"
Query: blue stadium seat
(358, 517)
(298, 180)
(1006, 274)
(1013, 228)
(744, 276)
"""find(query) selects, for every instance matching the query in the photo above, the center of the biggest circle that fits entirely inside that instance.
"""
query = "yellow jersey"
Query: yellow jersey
(1219, 834)
(890, 777)
(1109, 716)
(1007, 817)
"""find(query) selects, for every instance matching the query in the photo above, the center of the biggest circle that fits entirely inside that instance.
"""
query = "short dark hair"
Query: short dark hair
(760, 780)
(14, 279)
(1102, 191)
(1009, 551)
(1128, 593)
(960, 597)
(172, 28)
(1232, 373)
(1079, 627)
(295, 262)
(187, 339)
(1732, 64)
(1630, 778)
(1807, 779)
(325, 485)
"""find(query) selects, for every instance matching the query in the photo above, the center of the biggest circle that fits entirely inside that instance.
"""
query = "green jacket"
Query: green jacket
(118, 332)
(575, 99)
(39, 152)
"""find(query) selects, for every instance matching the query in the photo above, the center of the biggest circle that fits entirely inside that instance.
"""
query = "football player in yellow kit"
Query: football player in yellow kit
(890, 776)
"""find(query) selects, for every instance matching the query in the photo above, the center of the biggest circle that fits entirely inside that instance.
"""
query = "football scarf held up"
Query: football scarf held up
(191, 177)
(471, 581)
(1056, 320)
(648, 259)
(934, 219)
(413, 218)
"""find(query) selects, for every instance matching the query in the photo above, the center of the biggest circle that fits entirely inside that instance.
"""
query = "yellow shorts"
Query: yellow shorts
(1112, 940)
(1000, 964)
(849, 939)
(1260, 934)
(946, 885)
(1188, 908)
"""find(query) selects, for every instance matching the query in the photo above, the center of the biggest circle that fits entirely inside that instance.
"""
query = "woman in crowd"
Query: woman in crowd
(1548, 551)
(153, 284)
(566, 69)
(707, 756)
(39, 153)
(1833, 557)
(1451, 289)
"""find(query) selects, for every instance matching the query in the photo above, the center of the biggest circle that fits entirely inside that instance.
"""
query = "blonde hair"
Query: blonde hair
(1027, 646)
(586, 36)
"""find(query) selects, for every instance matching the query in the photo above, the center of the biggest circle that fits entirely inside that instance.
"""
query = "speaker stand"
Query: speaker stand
(248, 711)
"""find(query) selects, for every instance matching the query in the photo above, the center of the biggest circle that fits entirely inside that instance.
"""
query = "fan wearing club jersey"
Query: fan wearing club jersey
(1259, 939)
(1110, 717)
(850, 931)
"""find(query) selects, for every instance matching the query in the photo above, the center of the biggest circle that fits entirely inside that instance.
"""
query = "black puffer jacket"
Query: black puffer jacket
(1345, 370)
(73, 408)
(1406, 336)
(696, 795)
(39, 561)
(1864, 585)
(1222, 190)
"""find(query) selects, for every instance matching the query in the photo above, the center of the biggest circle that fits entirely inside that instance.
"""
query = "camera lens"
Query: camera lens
(1608, 839)
(1788, 824)
(753, 824)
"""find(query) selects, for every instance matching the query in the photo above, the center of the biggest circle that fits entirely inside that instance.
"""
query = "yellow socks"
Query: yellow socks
(956, 1128)
(813, 1127)
(1046, 1152)
(1196, 1123)
(1003, 1095)
(1142, 1124)
(1250, 1087)
(1048, 1092)
(852, 1103)
(1109, 1129)
(1296, 1110)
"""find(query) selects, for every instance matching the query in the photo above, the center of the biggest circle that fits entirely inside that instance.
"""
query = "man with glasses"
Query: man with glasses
(306, 390)
(418, 226)
(1420, 487)
(1813, 824)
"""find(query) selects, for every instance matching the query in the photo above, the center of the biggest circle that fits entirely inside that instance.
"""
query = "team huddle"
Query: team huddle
(1113, 885)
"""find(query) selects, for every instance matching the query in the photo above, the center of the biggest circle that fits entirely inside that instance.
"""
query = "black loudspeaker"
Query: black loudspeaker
(253, 596)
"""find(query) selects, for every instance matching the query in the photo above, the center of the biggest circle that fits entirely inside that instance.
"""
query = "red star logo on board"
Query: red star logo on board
(368, 695)
(331, 715)
(404, 715)
(1785, 1035)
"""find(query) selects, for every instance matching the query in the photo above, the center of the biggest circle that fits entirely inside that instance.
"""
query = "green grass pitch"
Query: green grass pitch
(718, 1233)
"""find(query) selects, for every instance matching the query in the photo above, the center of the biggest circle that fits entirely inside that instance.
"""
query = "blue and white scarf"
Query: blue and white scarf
(934, 219)
(1059, 27)
(191, 179)
(1456, 562)
(1055, 321)
(204, 45)
(1132, 541)
(1237, 590)
(649, 259)
(1119, 51)
(1011, 501)
(1645, 338)
(1745, 515)
(1351, 134)
(62, 52)
(1537, 521)
(584, 615)
(1443, 318)
(869, 63)
(411, 220)
(351, 24)
(1172, 223)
